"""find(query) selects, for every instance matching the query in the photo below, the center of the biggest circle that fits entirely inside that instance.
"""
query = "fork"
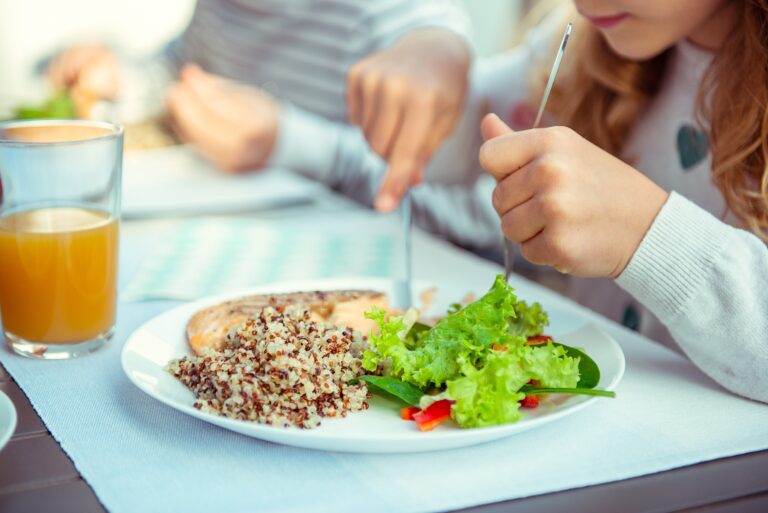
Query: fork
(509, 251)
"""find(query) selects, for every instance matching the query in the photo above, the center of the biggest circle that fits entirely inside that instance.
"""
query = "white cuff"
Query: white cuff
(306, 143)
(675, 257)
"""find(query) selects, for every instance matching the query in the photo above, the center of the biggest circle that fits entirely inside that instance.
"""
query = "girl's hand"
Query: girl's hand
(407, 99)
(570, 204)
(234, 126)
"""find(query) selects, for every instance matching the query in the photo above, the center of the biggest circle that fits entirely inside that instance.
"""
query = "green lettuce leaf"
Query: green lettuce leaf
(490, 396)
(551, 365)
(530, 321)
(465, 335)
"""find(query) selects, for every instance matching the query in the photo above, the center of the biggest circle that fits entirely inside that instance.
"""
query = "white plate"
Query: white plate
(378, 429)
(7, 419)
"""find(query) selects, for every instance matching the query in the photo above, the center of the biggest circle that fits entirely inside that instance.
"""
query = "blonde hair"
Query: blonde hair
(603, 95)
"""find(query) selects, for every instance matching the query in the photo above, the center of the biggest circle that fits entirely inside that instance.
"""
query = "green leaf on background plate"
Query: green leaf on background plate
(58, 106)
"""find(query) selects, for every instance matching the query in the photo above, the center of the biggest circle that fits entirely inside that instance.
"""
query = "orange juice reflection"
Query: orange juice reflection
(58, 270)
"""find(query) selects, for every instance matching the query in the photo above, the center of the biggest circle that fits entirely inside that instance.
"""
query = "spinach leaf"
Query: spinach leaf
(394, 387)
(589, 372)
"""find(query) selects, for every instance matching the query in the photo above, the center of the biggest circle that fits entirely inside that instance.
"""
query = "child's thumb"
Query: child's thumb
(492, 126)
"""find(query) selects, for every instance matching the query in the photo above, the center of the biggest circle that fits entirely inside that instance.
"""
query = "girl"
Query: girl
(667, 104)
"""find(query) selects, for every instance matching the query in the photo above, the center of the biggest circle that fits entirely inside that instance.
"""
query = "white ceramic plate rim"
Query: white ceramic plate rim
(294, 436)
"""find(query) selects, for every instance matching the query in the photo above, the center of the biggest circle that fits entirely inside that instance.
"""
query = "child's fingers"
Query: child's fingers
(372, 103)
(387, 122)
(224, 98)
(190, 70)
(523, 222)
(536, 249)
(354, 93)
(492, 126)
(196, 124)
(514, 189)
(547, 248)
(198, 81)
(405, 159)
(507, 153)
(438, 134)
(58, 72)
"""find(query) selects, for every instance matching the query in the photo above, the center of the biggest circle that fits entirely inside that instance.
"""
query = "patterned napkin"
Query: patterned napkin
(206, 256)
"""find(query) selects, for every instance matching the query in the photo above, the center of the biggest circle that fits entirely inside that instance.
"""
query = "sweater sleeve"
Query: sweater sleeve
(455, 200)
(386, 22)
(707, 282)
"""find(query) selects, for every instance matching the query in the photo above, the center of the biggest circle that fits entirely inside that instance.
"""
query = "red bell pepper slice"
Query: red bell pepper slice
(429, 418)
(539, 339)
(529, 401)
(408, 412)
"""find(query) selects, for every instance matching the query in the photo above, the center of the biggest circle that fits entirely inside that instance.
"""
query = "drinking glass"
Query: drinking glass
(59, 218)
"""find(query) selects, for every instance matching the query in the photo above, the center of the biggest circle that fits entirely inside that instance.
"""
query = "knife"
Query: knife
(403, 287)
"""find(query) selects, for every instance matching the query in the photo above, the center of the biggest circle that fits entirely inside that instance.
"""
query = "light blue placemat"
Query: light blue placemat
(205, 256)
(139, 455)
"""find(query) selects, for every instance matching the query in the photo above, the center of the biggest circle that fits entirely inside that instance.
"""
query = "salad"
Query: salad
(478, 366)
(57, 106)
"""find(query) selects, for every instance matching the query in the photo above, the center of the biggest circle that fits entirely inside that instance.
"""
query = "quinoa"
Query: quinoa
(279, 368)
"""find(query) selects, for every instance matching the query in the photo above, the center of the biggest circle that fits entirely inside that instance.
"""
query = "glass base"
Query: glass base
(46, 351)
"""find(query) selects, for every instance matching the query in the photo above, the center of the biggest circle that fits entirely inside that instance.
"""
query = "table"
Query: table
(36, 475)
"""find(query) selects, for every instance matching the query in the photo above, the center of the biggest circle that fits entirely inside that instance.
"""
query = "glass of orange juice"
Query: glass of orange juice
(59, 217)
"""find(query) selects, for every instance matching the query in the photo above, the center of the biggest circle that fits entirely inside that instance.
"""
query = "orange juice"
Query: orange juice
(58, 270)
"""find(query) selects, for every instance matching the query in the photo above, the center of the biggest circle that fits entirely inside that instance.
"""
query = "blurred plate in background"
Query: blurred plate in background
(178, 181)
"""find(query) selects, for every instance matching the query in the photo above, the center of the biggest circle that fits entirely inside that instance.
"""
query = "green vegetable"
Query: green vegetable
(589, 372)
(466, 334)
(530, 320)
(416, 334)
(394, 387)
(457, 357)
(550, 365)
(58, 106)
(531, 390)
(489, 396)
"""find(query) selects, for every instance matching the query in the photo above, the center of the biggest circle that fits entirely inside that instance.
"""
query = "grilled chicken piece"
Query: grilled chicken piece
(208, 328)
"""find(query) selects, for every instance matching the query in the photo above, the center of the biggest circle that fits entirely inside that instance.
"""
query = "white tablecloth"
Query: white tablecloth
(141, 456)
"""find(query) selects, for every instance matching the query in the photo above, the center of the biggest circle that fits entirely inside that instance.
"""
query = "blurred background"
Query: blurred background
(31, 31)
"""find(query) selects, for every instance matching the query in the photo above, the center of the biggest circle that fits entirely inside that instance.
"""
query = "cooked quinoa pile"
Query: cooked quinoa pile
(279, 368)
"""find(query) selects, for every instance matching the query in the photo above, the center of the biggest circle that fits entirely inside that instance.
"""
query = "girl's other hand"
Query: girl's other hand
(407, 99)
(569, 204)
(233, 125)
